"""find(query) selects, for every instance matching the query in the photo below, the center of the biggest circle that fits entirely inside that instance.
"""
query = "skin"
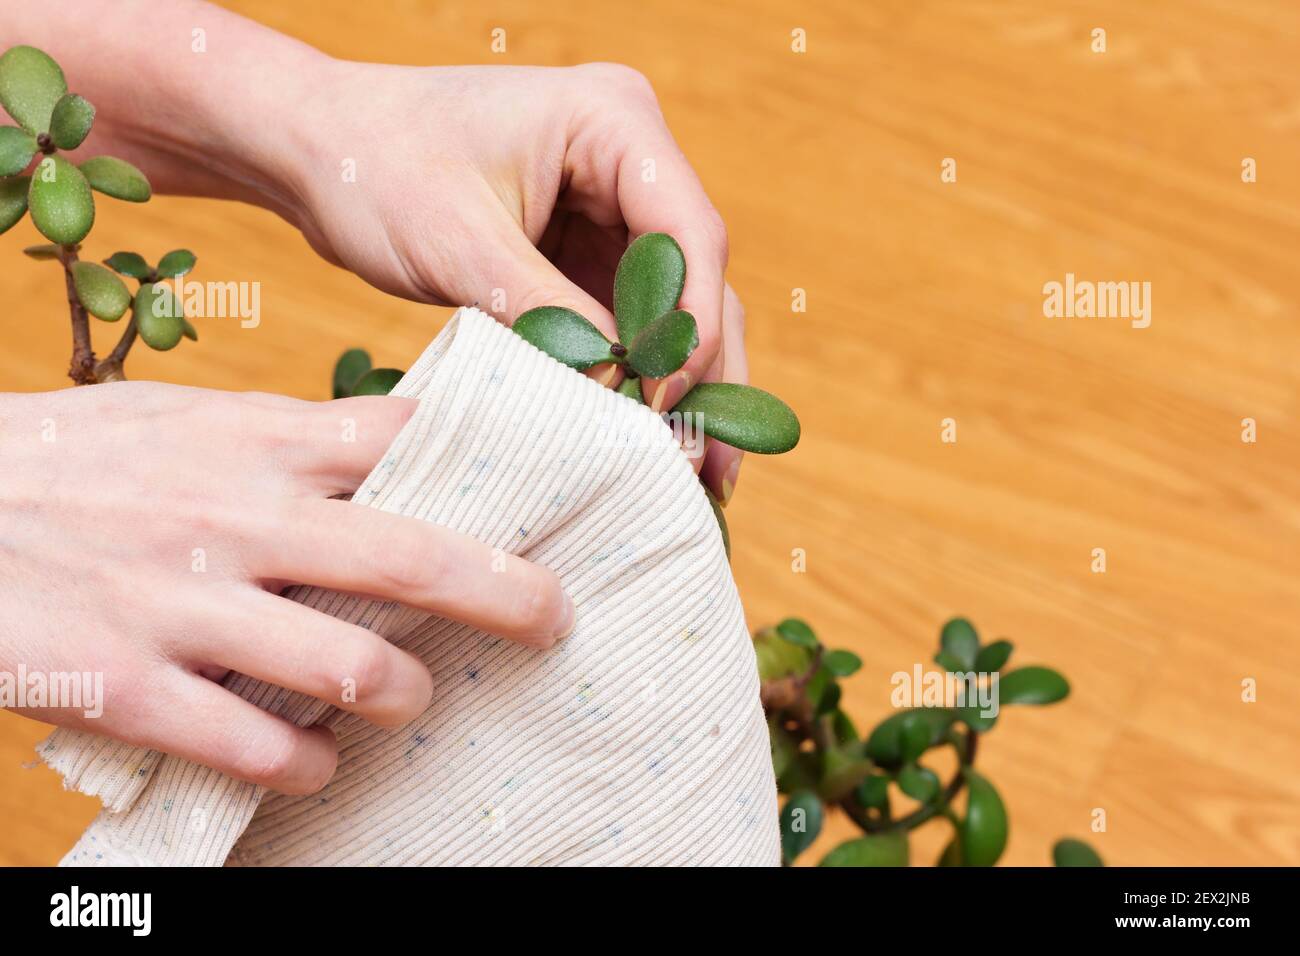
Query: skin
(504, 187)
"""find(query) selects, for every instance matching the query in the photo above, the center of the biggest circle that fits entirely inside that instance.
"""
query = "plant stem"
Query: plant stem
(110, 369)
(917, 817)
(82, 369)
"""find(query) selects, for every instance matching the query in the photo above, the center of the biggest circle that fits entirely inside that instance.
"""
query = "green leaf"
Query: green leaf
(777, 657)
(565, 336)
(631, 388)
(62, 206)
(664, 344)
(951, 854)
(843, 768)
(919, 783)
(17, 147)
(842, 724)
(158, 317)
(1032, 685)
(378, 381)
(102, 293)
(914, 736)
(973, 717)
(874, 791)
(959, 641)
(797, 632)
(42, 252)
(842, 663)
(824, 692)
(950, 663)
(71, 121)
(801, 821)
(1069, 852)
(647, 283)
(742, 416)
(30, 84)
(785, 750)
(129, 264)
(176, 263)
(880, 849)
(117, 178)
(993, 657)
(348, 370)
(885, 744)
(13, 201)
(721, 519)
(984, 831)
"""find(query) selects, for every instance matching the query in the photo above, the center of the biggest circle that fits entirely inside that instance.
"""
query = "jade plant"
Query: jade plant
(60, 197)
(655, 338)
(823, 763)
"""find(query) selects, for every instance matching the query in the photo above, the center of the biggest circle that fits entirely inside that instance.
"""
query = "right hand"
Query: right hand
(107, 491)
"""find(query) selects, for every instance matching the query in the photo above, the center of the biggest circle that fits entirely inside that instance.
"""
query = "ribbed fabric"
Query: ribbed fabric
(638, 740)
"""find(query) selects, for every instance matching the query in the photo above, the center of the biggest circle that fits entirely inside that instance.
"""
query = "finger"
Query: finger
(509, 276)
(338, 443)
(296, 647)
(193, 718)
(345, 547)
(721, 467)
(672, 200)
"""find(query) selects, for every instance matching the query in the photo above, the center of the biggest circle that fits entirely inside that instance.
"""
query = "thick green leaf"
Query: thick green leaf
(874, 791)
(70, 124)
(823, 692)
(17, 147)
(951, 854)
(777, 657)
(950, 663)
(13, 201)
(742, 416)
(845, 731)
(959, 641)
(129, 264)
(30, 84)
(647, 283)
(993, 657)
(721, 519)
(117, 178)
(973, 717)
(880, 849)
(158, 317)
(62, 207)
(1069, 852)
(1032, 685)
(919, 783)
(102, 293)
(50, 251)
(785, 749)
(984, 831)
(842, 663)
(631, 388)
(843, 768)
(885, 744)
(176, 263)
(801, 821)
(565, 336)
(797, 632)
(348, 370)
(378, 381)
(664, 345)
(914, 736)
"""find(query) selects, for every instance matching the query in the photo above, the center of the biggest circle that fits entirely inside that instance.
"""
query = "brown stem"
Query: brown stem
(82, 369)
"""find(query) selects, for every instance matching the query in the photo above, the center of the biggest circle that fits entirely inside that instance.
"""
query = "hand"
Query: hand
(106, 494)
(510, 188)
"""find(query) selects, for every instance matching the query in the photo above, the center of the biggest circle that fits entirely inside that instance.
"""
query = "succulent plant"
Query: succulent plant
(822, 762)
(60, 197)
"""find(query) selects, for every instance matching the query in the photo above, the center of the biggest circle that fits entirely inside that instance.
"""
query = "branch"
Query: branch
(82, 369)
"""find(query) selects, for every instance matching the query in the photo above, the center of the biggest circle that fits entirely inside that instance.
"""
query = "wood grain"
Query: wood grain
(924, 303)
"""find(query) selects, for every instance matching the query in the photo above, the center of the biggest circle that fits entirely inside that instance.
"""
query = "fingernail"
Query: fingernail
(676, 385)
(570, 619)
(729, 482)
(608, 377)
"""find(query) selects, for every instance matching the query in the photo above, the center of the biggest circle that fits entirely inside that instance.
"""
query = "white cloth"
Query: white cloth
(638, 740)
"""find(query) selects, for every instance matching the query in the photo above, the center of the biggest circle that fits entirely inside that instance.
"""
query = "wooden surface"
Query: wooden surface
(924, 303)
